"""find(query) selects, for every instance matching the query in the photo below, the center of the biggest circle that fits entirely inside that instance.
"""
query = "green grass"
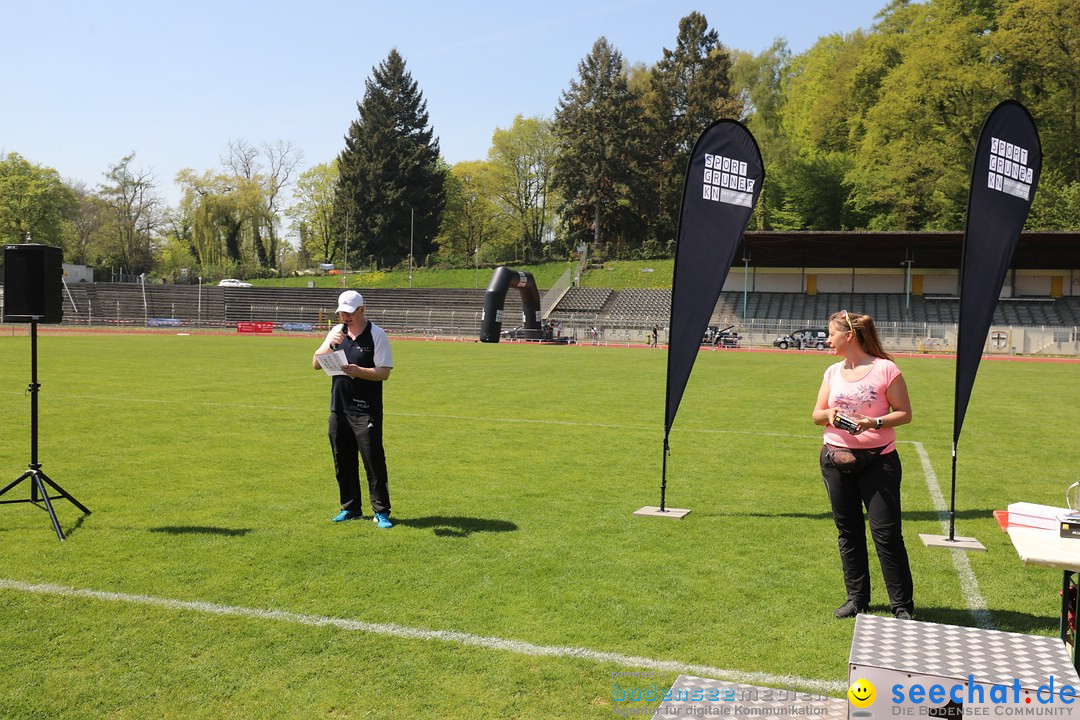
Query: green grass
(617, 274)
(623, 274)
(514, 471)
(545, 274)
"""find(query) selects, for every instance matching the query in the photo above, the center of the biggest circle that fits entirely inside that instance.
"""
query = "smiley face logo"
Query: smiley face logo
(862, 693)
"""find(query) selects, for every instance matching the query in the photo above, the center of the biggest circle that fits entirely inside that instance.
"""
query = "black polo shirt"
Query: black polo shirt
(352, 395)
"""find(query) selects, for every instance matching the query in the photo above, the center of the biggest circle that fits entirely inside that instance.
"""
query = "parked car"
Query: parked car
(805, 338)
(518, 333)
(720, 338)
(233, 282)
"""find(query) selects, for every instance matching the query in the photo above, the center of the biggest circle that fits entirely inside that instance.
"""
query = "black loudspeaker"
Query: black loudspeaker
(33, 283)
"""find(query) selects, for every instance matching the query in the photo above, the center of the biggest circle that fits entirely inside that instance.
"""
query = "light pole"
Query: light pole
(745, 282)
(476, 279)
(611, 277)
(200, 300)
(345, 277)
(411, 213)
(907, 283)
(648, 272)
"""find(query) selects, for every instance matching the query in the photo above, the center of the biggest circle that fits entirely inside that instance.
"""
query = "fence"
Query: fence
(896, 337)
(197, 312)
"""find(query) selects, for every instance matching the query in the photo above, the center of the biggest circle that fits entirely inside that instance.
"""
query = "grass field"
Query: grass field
(514, 471)
(616, 274)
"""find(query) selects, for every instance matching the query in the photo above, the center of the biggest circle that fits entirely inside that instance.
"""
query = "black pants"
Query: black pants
(877, 487)
(351, 435)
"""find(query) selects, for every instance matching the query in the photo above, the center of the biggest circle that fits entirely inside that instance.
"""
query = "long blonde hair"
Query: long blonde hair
(862, 327)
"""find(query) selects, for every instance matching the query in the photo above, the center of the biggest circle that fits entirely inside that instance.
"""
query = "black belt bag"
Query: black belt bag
(849, 460)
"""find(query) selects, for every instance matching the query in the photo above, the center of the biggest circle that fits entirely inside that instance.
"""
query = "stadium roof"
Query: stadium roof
(1036, 250)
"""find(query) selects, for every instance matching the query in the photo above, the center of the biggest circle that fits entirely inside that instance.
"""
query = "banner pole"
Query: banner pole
(952, 498)
(663, 474)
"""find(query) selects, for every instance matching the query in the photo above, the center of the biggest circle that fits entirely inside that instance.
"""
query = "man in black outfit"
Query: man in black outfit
(356, 410)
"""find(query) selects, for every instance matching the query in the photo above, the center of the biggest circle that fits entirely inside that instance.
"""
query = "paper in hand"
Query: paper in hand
(332, 362)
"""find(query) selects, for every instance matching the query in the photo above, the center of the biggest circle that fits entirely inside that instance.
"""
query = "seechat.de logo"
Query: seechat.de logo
(862, 695)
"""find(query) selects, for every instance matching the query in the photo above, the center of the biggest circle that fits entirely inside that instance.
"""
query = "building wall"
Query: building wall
(77, 273)
(940, 282)
(1032, 283)
(814, 281)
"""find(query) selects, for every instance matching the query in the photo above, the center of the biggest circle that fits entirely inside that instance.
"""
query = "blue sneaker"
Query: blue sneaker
(383, 520)
(347, 515)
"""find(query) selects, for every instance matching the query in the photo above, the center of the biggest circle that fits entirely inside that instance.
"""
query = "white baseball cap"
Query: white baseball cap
(349, 301)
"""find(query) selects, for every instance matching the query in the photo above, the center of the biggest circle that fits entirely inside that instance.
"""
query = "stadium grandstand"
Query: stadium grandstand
(781, 281)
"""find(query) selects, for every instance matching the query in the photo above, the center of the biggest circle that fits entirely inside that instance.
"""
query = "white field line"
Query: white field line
(448, 636)
(968, 584)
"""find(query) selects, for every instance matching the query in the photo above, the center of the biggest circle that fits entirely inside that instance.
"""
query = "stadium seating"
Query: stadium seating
(799, 308)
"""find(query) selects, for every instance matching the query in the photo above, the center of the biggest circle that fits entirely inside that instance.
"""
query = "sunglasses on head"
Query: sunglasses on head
(848, 318)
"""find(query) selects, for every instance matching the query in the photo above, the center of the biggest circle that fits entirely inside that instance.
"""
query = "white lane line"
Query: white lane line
(968, 584)
(448, 636)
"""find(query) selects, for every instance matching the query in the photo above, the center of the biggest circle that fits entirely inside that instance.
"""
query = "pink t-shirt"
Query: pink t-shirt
(865, 396)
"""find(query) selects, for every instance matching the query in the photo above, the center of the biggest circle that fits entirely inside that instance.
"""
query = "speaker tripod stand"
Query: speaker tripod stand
(39, 493)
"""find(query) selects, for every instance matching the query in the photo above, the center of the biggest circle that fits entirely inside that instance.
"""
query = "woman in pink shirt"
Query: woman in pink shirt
(862, 399)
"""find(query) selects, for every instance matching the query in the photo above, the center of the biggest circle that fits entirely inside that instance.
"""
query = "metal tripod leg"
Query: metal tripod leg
(38, 480)
(38, 475)
(16, 481)
(64, 493)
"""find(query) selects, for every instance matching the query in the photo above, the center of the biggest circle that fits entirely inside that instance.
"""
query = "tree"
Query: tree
(224, 211)
(246, 162)
(473, 219)
(1057, 203)
(391, 181)
(312, 212)
(1036, 44)
(521, 159)
(691, 89)
(34, 202)
(86, 230)
(808, 171)
(598, 170)
(136, 214)
(758, 82)
(912, 164)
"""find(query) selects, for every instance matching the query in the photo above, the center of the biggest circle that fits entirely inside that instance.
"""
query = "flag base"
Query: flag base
(670, 513)
(957, 543)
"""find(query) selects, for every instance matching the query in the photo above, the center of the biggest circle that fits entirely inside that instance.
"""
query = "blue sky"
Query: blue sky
(83, 84)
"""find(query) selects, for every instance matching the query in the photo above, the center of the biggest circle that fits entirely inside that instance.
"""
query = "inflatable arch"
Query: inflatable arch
(502, 280)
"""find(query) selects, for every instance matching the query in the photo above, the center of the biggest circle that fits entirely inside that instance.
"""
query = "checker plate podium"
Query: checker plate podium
(888, 652)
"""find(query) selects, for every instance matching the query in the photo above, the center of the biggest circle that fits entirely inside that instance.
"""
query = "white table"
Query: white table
(1044, 547)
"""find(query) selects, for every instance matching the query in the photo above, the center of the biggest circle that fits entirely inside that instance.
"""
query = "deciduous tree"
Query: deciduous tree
(1037, 43)
(473, 219)
(34, 202)
(136, 210)
(312, 212)
(271, 169)
(522, 158)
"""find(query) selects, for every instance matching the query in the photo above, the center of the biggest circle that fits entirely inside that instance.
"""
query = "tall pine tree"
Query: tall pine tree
(691, 90)
(391, 180)
(598, 169)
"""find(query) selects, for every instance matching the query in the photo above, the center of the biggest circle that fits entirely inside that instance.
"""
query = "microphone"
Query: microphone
(344, 331)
